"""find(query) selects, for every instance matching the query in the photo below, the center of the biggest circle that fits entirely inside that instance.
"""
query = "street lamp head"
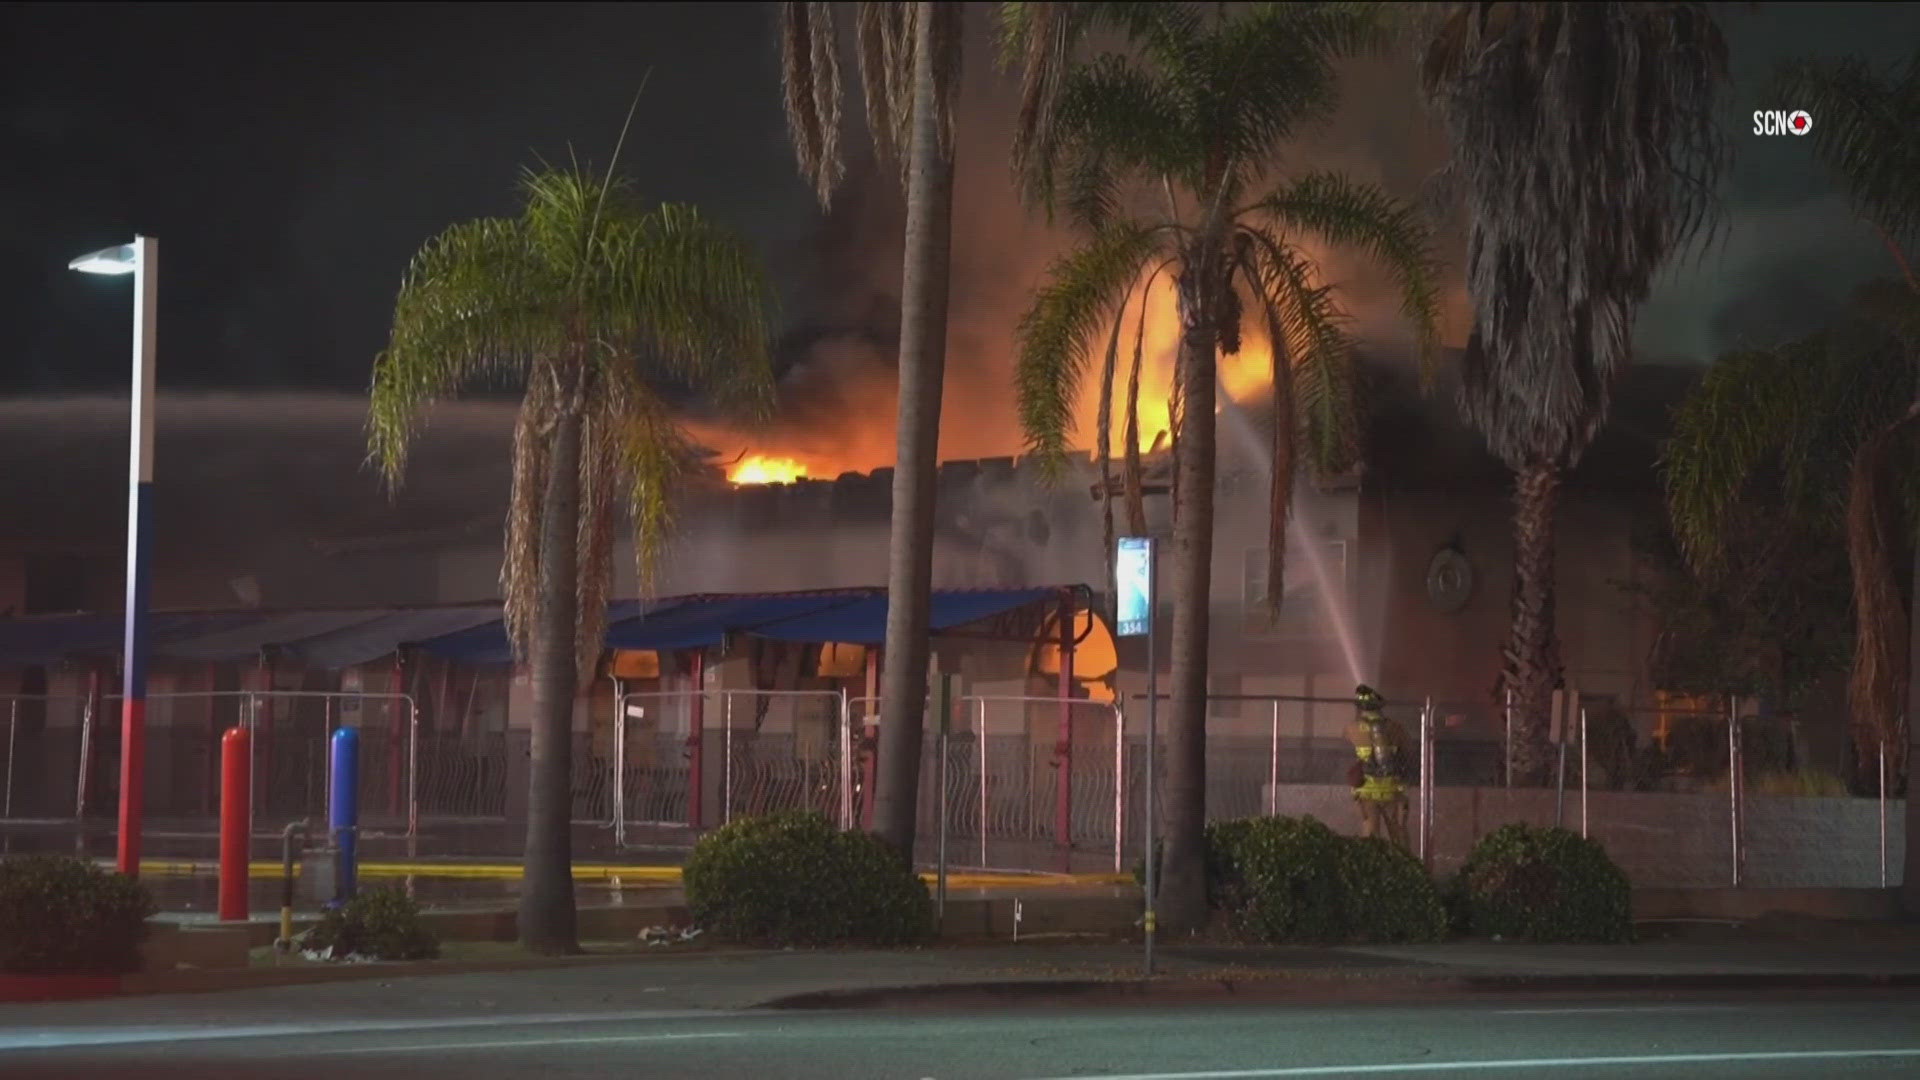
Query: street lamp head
(113, 260)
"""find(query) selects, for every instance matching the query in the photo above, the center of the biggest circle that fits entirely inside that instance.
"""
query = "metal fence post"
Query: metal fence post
(1433, 770)
(1426, 784)
(1273, 763)
(942, 706)
(1733, 783)
(1507, 771)
(619, 763)
(1119, 786)
(13, 723)
(726, 737)
(1883, 811)
(846, 763)
(842, 776)
(1562, 712)
(326, 754)
(86, 763)
(251, 721)
(980, 726)
(1583, 771)
(413, 773)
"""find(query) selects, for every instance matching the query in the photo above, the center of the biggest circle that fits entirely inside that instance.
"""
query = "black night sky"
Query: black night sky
(291, 157)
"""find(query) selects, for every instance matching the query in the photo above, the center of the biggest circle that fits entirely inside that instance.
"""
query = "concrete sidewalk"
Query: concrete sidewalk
(1039, 972)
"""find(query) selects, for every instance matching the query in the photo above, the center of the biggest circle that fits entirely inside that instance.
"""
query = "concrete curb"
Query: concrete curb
(214, 980)
(1316, 986)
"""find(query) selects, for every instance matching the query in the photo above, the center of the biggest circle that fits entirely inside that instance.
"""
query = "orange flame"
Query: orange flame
(761, 469)
(982, 423)
(1247, 375)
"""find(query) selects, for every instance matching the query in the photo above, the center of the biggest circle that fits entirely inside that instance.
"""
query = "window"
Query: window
(1301, 614)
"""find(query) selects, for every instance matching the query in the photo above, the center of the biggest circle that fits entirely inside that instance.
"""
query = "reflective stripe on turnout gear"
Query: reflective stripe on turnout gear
(1379, 789)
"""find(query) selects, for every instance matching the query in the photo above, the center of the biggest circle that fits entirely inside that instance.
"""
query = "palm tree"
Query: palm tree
(1866, 128)
(1194, 114)
(1585, 143)
(595, 303)
(1812, 417)
(910, 70)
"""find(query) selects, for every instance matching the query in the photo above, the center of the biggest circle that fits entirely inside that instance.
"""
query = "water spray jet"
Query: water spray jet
(1334, 603)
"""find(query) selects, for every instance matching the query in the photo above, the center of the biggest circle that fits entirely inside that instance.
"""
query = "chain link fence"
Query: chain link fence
(1680, 796)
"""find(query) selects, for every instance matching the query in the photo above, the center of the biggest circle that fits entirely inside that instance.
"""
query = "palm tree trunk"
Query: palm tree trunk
(546, 898)
(1182, 897)
(923, 361)
(1881, 688)
(1910, 877)
(1533, 669)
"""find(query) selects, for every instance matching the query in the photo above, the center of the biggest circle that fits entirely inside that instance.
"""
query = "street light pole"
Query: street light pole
(141, 259)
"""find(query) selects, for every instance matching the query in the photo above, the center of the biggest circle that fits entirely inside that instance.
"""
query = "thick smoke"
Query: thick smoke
(839, 382)
(276, 485)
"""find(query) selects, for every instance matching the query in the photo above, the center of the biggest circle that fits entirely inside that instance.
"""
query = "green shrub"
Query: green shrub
(793, 879)
(1389, 895)
(1223, 878)
(1543, 884)
(381, 923)
(66, 916)
(1293, 879)
(1284, 880)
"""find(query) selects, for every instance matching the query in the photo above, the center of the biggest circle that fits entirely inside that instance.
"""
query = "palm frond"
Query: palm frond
(688, 295)
(1390, 232)
(596, 301)
(1039, 39)
(1112, 119)
(652, 456)
(1281, 468)
(600, 493)
(885, 33)
(1801, 410)
(1745, 410)
(1866, 128)
(1587, 142)
(1083, 289)
(1257, 79)
(1134, 480)
(520, 568)
(1103, 452)
(941, 37)
(472, 304)
(1314, 337)
(810, 76)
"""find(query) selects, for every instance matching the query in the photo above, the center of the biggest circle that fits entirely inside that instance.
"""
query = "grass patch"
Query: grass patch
(485, 952)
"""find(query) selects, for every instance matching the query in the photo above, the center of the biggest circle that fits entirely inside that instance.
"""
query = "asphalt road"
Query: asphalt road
(1828, 1035)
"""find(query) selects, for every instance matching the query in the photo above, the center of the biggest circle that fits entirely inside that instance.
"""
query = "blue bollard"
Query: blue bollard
(343, 811)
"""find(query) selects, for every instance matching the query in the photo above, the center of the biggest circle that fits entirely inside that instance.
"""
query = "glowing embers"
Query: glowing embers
(761, 469)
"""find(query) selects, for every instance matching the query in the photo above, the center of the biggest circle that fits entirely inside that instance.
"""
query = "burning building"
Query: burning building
(269, 525)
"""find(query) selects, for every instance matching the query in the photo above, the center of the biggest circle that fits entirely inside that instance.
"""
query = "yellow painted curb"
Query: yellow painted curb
(625, 874)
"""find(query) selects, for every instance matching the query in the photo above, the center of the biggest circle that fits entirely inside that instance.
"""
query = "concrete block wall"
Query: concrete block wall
(1662, 840)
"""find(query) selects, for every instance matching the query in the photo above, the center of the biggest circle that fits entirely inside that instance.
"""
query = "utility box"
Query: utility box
(318, 877)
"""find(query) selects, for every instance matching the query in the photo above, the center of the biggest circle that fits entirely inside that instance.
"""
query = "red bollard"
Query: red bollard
(236, 823)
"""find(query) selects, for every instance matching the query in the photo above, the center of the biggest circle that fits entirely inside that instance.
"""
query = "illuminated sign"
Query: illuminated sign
(1133, 587)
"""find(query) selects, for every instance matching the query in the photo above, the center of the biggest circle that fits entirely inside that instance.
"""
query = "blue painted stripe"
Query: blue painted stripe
(139, 557)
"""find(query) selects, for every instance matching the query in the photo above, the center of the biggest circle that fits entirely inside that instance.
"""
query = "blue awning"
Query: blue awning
(864, 622)
(475, 634)
(704, 621)
(48, 639)
(382, 637)
(486, 642)
(245, 641)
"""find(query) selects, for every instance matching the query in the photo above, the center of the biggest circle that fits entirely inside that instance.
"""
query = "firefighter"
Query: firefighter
(1379, 789)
